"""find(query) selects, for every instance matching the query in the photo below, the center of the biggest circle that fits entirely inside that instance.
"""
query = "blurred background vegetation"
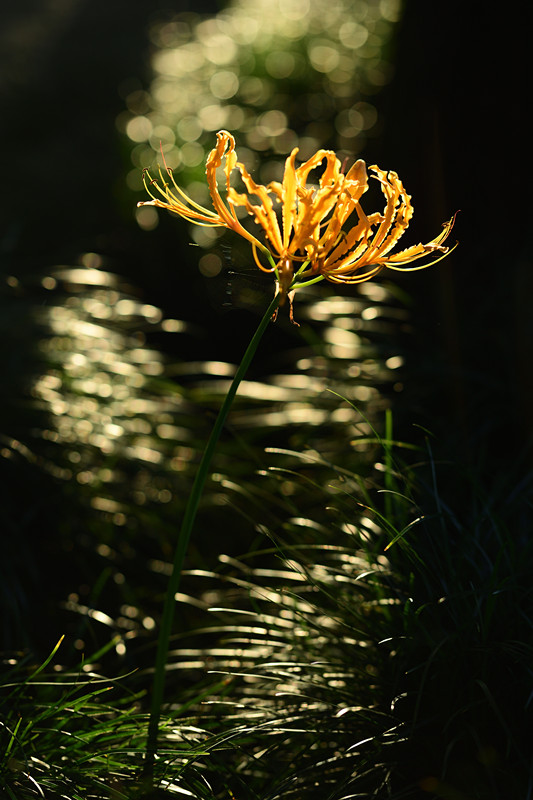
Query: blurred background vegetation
(119, 339)
(438, 106)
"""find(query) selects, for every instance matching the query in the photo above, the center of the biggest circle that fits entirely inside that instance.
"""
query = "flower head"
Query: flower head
(321, 230)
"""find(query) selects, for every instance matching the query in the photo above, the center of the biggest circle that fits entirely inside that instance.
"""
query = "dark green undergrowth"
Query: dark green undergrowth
(329, 666)
(354, 619)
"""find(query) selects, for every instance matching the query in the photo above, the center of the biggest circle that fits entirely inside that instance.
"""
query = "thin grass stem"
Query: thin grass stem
(183, 541)
(389, 465)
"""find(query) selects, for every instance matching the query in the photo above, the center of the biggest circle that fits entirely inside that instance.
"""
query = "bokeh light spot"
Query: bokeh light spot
(280, 64)
(324, 57)
(353, 35)
(210, 265)
(224, 84)
(139, 129)
(48, 282)
(192, 154)
(212, 117)
(189, 129)
(147, 218)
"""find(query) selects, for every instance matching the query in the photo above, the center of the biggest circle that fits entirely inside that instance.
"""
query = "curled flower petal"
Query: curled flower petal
(176, 201)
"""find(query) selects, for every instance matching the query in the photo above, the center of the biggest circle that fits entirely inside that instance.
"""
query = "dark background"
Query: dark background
(457, 123)
(455, 130)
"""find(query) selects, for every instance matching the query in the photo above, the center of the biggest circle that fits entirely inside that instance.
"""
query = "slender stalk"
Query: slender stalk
(389, 465)
(183, 541)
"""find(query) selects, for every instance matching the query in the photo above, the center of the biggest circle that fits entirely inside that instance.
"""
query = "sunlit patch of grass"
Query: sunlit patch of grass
(105, 428)
(345, 625)
(101, 408)
(369, 653)
(75, 734)
(302, 630)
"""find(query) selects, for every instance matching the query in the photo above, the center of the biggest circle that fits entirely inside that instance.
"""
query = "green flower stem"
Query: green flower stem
(183, 540)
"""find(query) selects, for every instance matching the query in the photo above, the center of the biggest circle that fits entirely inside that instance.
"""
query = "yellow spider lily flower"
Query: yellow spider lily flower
(314, 240)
